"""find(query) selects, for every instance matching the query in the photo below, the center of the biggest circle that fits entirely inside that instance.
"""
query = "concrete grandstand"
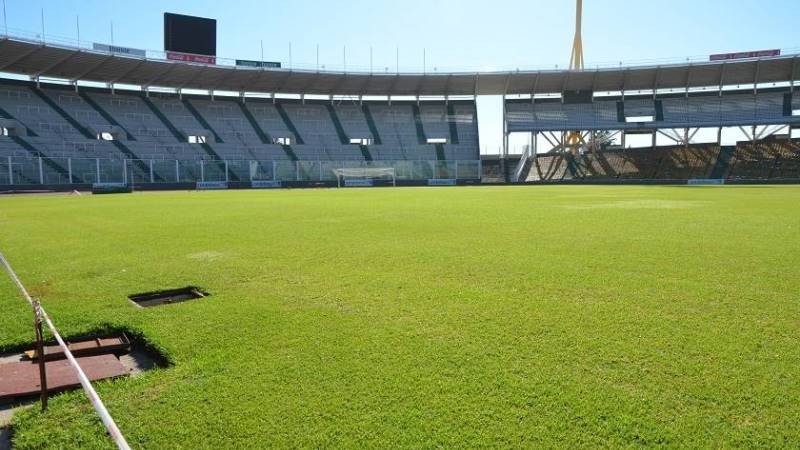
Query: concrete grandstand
(85, 117)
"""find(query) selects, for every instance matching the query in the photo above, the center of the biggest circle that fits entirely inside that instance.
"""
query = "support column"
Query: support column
(505, 130)
(10, 172)
(226, 171)
(152, 178)
(97, 166)
(69, 169)
(177, 172)
(202, 170)
(125, 171)
(41, 172)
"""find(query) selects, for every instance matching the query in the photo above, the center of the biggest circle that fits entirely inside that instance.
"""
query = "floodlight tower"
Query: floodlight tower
(574, 139)
(576, 58)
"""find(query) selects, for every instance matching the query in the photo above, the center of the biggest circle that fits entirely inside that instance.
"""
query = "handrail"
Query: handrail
(97, 403)
(523, 160)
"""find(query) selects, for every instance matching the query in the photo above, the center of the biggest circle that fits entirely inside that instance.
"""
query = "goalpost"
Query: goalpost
(364, 176)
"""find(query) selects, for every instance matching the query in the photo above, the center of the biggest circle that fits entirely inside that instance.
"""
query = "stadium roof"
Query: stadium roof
(38, 59)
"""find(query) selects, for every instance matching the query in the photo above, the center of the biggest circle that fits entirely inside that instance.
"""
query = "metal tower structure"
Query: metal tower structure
(575, 139)
(576, 58)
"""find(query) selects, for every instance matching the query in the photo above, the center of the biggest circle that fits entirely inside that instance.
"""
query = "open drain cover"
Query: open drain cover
(169, 296)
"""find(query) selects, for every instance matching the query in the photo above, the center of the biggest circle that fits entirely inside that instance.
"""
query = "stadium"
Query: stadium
(207, 252)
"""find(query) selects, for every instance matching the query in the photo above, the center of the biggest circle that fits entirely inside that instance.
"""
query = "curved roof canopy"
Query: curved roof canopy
(37, 59)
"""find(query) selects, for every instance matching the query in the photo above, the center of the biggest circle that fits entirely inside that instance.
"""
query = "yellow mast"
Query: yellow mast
(574, 138)
(576, 59)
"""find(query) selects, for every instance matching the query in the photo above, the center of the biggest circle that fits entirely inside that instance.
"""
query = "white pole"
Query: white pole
(290, 55)
(344, 57)
(42, 24)
(78, 28)
(317, 57)
(5, 18)
(112, 36)
(370, 59)
(262, 50)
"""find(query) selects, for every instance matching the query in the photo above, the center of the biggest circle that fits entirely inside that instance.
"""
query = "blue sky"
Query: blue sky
(455, 34)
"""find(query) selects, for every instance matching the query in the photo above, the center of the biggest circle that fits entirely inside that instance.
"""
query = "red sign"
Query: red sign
(745, 55)
(188, 57)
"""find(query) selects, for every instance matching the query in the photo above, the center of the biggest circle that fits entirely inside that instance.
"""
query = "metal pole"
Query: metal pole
(424, 60)
(370, 59)
(41, 171)
(290, 55)
(112, 36)
(78, 28)
(10, 172)
(37, 325)
(262, 50)
(397, 60)
(317, 57)
(43, 25)
(344, 57)
(5, 18)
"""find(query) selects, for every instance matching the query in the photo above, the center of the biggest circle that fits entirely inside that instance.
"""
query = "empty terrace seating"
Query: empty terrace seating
(89, 134)
(705, 109)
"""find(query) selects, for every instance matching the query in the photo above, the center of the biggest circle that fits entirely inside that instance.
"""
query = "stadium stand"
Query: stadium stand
(94, 136)
(298, 125)
(769, 159)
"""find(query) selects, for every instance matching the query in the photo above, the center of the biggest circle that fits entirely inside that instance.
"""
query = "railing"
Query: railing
(41, 317)
(345, 67)
(523, 160)
(19, 171)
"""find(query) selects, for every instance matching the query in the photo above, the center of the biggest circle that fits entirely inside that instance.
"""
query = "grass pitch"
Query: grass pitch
(448, 317)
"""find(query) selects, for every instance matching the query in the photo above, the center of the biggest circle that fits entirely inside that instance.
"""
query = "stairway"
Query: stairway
(104, 114)
(45, 160)
(376, 137)
(722, 165)
(201, 120)
(451, 120)
(418, 124)
(288, 122)
(60, 111)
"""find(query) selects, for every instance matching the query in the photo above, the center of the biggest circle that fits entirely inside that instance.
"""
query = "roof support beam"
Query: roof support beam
(535, 86)
(194, 78)
(94, 67)
(161, 75)
(13, 61)
(55, 64)
(756, 77)
(656, 80)
(123, 74)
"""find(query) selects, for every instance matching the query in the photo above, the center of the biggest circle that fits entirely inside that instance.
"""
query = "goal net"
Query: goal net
(364, 176)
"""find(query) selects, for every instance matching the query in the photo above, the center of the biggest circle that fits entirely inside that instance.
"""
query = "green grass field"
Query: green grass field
(425, 317)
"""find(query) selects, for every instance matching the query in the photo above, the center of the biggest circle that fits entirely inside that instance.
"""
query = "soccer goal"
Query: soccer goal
(364, 176)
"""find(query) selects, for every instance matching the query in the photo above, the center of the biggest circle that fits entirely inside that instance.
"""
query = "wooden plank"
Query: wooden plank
(21, 379)
(117, 344)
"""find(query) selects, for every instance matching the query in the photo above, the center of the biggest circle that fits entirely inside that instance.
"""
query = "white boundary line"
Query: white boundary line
(108, 421)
